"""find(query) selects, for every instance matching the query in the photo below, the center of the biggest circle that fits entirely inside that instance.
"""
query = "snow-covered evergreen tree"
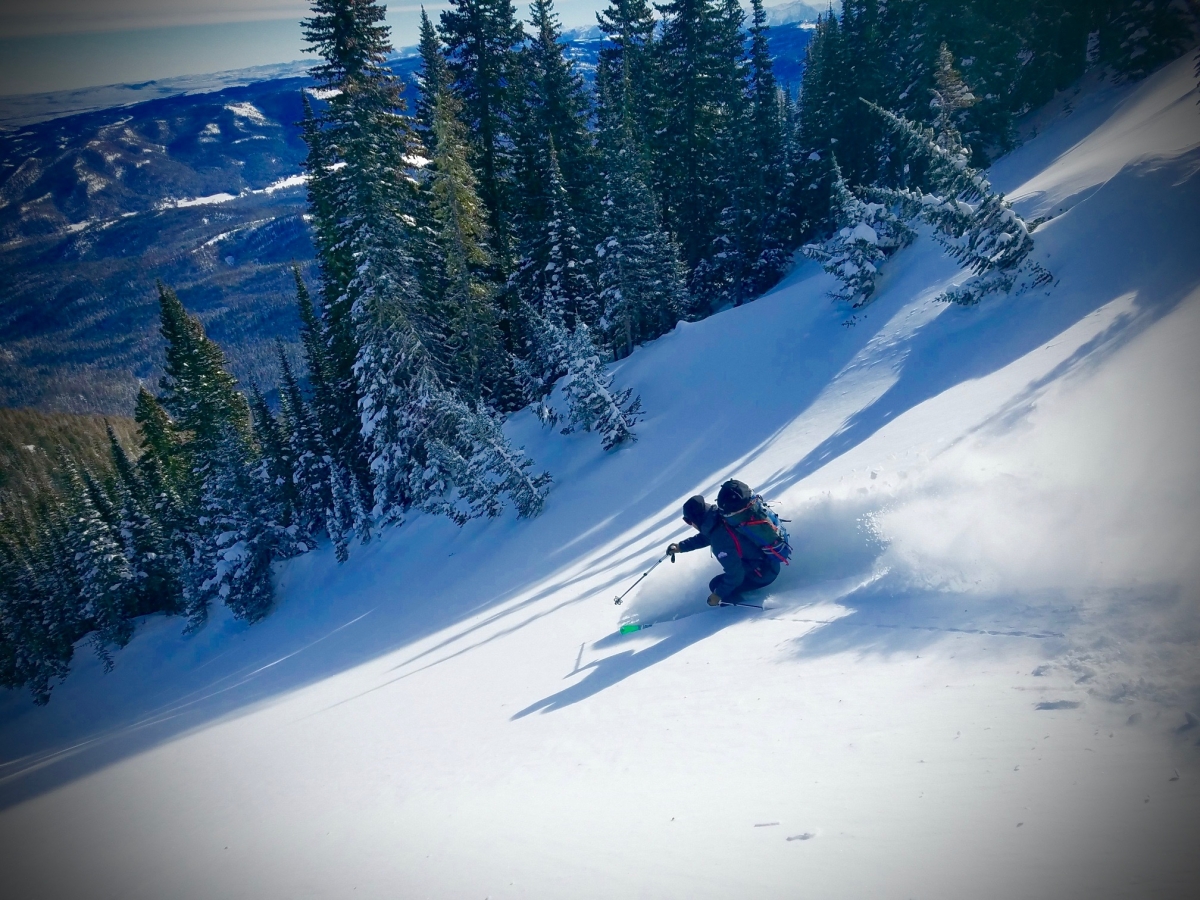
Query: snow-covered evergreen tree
(951, 98)
(474, 360)
(867, 233)
(483, 38)
(555, 288)
(976, 224)
(106, 581)
(641, 279)
(145, 537)
(39, 603)
(311, 463)
(592, 403)
(238, 535)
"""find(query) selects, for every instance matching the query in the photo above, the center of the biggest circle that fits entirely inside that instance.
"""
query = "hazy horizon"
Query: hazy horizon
(74, 44)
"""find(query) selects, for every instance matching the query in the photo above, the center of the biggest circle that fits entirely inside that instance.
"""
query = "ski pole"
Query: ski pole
(644, 574)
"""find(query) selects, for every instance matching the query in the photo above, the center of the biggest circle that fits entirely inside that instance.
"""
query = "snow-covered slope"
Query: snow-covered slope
(972, 682)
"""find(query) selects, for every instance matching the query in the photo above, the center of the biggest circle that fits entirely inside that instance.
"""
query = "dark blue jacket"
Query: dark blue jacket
(738, 556)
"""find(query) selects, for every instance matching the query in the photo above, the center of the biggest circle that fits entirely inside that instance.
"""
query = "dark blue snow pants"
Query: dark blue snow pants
(758, 575)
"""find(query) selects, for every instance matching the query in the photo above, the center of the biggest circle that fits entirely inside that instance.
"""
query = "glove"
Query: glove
(672, 549)
(714, 599)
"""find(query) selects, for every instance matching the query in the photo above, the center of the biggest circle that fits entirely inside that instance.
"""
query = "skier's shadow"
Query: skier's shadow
(604, 673)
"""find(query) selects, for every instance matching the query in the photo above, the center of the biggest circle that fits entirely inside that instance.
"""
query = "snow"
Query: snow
(249, 111)
(210, 200)
(973, 680)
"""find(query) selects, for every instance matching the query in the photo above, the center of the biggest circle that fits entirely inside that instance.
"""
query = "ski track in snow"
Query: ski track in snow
(978, 678)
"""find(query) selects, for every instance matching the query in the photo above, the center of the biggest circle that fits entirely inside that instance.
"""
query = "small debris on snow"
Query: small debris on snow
(1058, 704)
(1174, 777)
(765, 824)
(807, 836)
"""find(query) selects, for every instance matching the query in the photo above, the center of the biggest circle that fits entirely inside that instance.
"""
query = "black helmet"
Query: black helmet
(734, 496)
(694, 510)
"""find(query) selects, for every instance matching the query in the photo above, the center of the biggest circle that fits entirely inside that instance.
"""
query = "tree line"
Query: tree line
(494, 248)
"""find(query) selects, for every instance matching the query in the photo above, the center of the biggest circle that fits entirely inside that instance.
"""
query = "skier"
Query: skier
(747, 566)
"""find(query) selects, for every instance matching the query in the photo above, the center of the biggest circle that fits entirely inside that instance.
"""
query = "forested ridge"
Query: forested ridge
(495, 247)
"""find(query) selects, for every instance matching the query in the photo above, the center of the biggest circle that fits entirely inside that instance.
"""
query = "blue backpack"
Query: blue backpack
(749, 514)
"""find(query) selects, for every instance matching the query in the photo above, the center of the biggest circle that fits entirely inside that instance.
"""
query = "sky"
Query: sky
(52, 45)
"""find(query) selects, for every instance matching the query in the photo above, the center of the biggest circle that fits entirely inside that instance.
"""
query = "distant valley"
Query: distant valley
(199, 190)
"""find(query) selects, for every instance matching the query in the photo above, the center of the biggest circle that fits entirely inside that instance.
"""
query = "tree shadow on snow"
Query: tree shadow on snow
(968, 344)
(337, 619)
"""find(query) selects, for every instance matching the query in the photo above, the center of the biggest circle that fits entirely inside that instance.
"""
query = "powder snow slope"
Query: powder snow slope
(972, 682)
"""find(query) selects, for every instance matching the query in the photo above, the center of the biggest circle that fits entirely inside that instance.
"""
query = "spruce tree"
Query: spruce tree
(433, 78)
(361, 147)
(592, 403)
(311, 462)
(701, 68)
(146, 537)
(483, 38)
(976, 224)
(866, 234)
(106, 597)
(641, 278)
(629, 65)
(477, 364)
(40, 612)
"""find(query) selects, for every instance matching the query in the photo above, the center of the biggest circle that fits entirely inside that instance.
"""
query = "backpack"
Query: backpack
(749, 513)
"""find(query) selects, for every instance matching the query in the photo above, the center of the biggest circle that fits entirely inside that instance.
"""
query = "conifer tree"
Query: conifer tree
(557, 104)
(434, 76)
(311, 463)
(106, 594)
(950, 98)
(556, 289)
(483, 39)
(592, 403)
(701, 67)
(162, 463)
(146, 537)
(977, 225)
(629, 66)
(866, 234)
(275, 461)
(39, 604)
(641, 283)
(361, 147)
(1138, 36)
(232, 534)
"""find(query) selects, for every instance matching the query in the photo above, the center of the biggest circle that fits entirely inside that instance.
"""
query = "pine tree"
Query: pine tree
(310, 462)
(1138, 36)
(146, 537)
(477, 364)
(629, 65)
(275, 460)
(163, 464)
(977, 225)
(361, 147)
(866, 234)
(238, 537)
(106, 592)
(951, 98)
(482, 38)
(39, 603)
(641, 283)
(701, 67)
(434, 77)
(231, 531)
(593, 405)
